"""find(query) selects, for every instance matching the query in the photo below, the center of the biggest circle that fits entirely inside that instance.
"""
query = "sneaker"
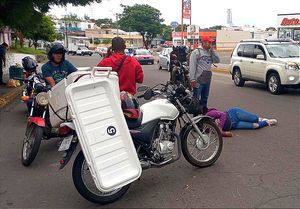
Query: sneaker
(272, 122)
(263, 119)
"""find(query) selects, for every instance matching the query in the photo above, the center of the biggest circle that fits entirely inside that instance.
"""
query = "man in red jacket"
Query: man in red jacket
(129, 70)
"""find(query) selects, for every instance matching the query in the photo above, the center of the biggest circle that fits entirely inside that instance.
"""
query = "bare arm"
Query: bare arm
(51, 81)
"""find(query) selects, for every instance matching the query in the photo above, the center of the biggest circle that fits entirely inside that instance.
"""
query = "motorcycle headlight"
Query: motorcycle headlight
(42, 99)
(291, 66)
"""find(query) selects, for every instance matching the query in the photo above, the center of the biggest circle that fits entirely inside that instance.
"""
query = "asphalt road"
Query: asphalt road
(258, 168)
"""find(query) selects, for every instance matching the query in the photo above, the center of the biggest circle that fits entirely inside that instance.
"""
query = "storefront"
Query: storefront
(192, 41)
(289, 26)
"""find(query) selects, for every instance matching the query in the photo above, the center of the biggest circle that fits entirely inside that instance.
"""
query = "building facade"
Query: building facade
(289, 26)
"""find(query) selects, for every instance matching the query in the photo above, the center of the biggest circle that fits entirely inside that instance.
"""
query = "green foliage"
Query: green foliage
(24, 14)
(178, 29)
(44, 30)
(106, 23)
(106, 41)
(26, 50)
(71, 17)
(167, 32)
(142, 18)
(217, 27)
(97, 41)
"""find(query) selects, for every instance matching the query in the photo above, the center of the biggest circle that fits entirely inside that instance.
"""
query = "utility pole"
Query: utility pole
(182, 28)
(66, 31)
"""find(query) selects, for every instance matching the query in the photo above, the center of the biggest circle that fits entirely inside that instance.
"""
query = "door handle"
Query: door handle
(241, 60)
(252, 62)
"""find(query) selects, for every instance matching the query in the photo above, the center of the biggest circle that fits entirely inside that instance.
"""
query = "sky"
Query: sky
(205, 13)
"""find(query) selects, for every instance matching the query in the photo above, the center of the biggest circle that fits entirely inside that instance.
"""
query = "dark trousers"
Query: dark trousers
(201, 91)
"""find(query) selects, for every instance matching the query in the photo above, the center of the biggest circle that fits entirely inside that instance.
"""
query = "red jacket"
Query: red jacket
(130, 73)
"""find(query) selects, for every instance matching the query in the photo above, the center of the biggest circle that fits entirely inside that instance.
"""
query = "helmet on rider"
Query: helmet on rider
(130, 106)
(29, 64)
(54, 50)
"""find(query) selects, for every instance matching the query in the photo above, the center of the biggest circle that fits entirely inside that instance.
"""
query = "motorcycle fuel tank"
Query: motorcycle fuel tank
(159, 109)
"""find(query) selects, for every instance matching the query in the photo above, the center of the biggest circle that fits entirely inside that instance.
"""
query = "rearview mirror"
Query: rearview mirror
(260, 57)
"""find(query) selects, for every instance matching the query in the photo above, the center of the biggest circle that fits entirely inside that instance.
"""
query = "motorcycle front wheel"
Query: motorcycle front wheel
(31, 144)
(86, 187)
(196, 151)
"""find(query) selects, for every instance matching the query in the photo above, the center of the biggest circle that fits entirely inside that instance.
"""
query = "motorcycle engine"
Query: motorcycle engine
(164, 144)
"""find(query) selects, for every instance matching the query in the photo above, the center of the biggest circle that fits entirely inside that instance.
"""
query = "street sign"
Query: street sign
(174, 24)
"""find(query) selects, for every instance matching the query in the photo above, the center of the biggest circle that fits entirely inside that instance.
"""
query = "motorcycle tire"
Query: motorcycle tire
(84, 191)
(186, 152)
(37, 133)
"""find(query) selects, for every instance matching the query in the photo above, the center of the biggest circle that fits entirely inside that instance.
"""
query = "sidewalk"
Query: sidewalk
(7, 94)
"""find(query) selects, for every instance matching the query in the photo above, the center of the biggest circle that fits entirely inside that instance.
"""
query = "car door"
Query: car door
(247, 61)
(259, 65)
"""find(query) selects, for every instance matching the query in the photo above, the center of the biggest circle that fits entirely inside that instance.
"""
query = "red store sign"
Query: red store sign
(292, 21)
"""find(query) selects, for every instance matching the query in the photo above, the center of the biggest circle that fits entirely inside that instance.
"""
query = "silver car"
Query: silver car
(164, 58)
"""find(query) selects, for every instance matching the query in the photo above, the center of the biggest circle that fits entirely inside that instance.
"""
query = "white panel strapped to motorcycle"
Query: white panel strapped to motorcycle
(58, 106)
(102, 131)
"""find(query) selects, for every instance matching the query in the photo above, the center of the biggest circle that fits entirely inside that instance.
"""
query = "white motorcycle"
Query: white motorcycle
(155, 139)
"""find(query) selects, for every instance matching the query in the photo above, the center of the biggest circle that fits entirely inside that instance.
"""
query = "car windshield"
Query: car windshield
(284, 50)
(142, 52)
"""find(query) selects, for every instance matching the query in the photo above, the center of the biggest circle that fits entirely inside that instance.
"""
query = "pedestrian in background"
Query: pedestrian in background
(200, 63)
(3, 48)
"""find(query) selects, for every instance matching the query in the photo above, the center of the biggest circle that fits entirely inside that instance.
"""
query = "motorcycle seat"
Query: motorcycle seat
(135, 123)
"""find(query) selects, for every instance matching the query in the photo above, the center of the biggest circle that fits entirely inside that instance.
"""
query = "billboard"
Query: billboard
(187, 7)
(193, 32)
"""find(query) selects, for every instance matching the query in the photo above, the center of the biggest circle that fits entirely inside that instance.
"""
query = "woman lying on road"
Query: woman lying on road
(237, 118)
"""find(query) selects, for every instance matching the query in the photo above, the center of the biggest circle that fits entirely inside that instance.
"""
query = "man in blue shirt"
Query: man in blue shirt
(2, 60)
(57, 68)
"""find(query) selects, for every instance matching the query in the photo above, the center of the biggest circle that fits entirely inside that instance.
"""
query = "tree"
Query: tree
(142, 18)
(178, 29)
(19, 14)
(271, 29)
(105, 23)
(106, 41)
(216, 27)
(44, 31)
(167, 32)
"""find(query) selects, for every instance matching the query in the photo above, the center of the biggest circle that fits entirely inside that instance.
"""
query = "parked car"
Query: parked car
(82, 50)
(273, 62)
(164, 58)
(143, 56)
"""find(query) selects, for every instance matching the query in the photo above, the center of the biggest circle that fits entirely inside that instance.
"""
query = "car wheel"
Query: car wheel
(274, 84)
(237, 78)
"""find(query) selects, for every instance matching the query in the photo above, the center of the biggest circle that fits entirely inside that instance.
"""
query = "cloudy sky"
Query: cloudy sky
(205, 13)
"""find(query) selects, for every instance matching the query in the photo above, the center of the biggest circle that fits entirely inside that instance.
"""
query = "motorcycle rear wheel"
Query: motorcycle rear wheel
(208, 129)
(31, 144)
(86, 187)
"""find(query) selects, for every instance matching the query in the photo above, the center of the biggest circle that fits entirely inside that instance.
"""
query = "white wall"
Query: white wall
(13, 59)
(227, 40)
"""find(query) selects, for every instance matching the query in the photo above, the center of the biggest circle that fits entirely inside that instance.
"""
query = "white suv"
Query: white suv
(273, 62)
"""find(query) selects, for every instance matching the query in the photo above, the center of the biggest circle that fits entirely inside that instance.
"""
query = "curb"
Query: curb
(8, 97)
(220, 70)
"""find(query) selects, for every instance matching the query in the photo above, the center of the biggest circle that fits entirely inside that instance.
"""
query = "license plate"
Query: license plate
(65, 143)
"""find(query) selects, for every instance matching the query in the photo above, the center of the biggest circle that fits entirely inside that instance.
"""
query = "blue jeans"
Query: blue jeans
(241, 119)
(201, 91)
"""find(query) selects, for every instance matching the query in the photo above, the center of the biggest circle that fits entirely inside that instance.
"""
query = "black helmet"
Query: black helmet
(130, 106)
(29, 64)
(57, 49)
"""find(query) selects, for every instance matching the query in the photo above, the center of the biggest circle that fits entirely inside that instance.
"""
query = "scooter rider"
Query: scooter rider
(57, 68)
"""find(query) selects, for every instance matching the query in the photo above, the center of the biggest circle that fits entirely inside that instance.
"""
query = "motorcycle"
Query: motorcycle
(180, 74)
(29, 87)
(155, 139)
(39, 127)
